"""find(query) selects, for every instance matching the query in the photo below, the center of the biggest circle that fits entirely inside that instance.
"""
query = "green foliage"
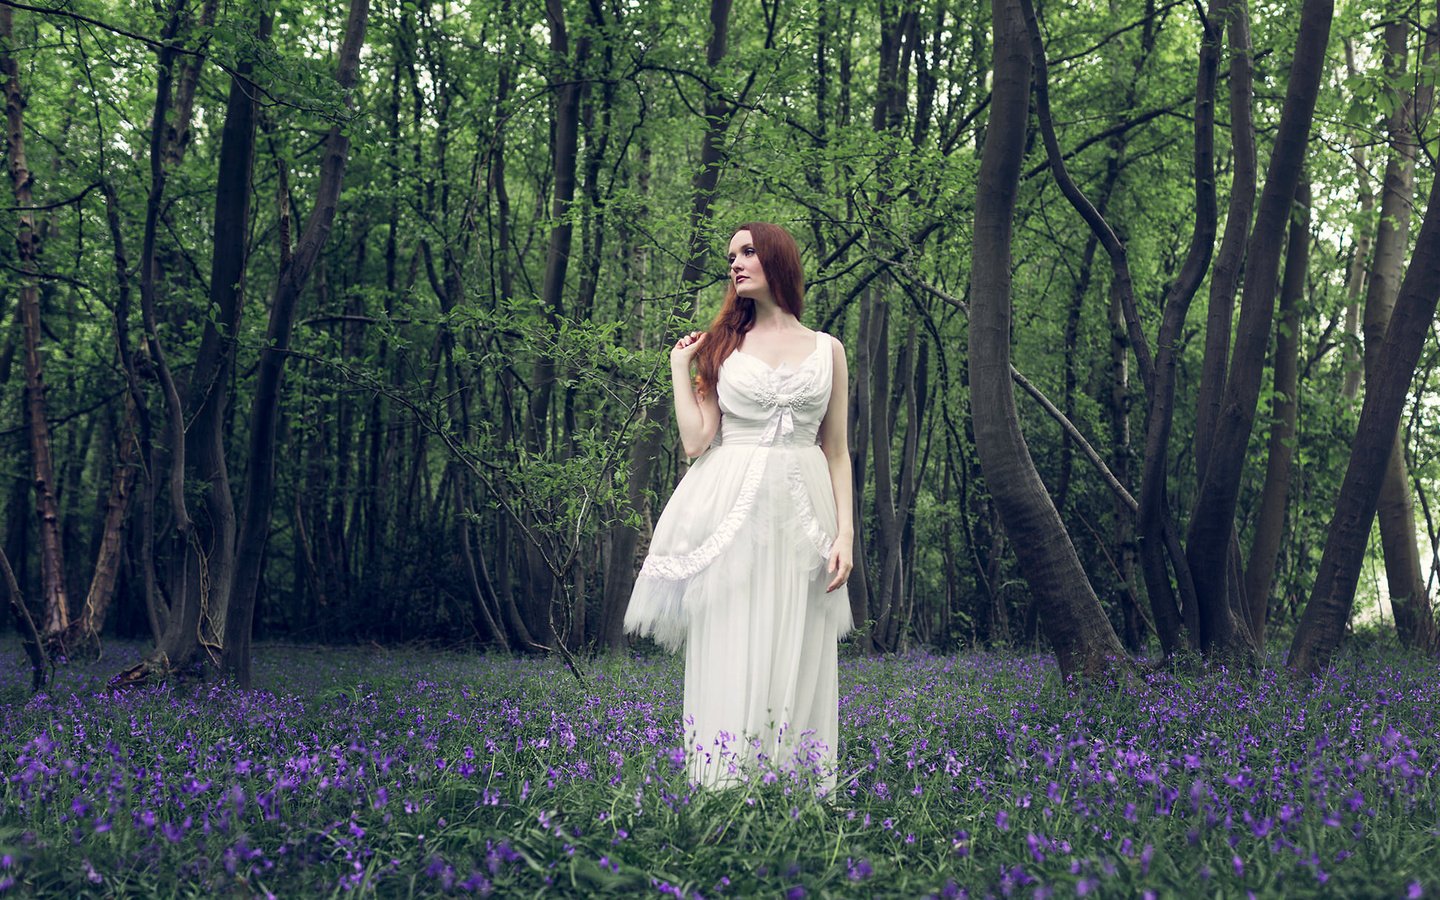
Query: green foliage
(421, 342)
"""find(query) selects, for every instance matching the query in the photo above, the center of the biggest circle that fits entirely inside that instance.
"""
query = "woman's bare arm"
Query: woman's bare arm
(697, 417)
(835, 442)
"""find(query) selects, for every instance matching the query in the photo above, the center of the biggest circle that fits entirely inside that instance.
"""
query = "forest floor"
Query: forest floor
(412, 772)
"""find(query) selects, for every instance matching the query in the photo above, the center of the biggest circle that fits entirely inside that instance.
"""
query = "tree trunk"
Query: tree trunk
(1126, 539)
(1213, 521)
(620, 580)
(1322, 625)
(183, 618)
(202, 600)
(1396, 510)
(1270, 521)
(265, 420)
(1357, 273)
(861, 411)
(1157, 531)
(136, 408)
(85, 630)
(1225, 277)
(1076, 625)
(27, 243)
(564, 155)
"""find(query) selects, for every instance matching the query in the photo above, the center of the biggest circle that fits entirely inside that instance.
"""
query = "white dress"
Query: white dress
(736, 573)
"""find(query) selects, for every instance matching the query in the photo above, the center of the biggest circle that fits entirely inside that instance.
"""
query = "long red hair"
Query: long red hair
(780, 261)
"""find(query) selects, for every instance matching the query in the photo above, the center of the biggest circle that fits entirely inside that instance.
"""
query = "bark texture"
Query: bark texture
(1270, 521)
(27, 246)
(1213, 521)
(1409, 600)
(295, 271)
(1074, 622)
(1322, 625)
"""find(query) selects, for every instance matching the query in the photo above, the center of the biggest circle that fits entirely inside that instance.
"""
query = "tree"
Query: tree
(1270, 520)
(295, 269)
(1396, 509)
(27, 239)
(1322, 625)
(1075, 624)
(1211, 541)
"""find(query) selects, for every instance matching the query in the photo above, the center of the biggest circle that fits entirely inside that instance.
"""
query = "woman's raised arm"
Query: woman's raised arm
(696, 416)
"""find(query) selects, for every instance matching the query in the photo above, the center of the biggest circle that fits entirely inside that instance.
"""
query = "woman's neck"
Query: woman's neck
(770, 317)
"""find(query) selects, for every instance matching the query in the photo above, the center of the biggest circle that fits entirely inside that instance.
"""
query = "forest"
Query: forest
(348, 322)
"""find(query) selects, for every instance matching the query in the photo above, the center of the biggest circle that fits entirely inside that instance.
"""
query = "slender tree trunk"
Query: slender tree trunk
(1157, 375)
(1357, 273)
(1270, 521)
(1225, 277)
(27, 242)
(213, 551)
(1076, 625)
(620, 581)
(1409, 599)
(1158, 534)
(564, 156)
(265, 419)
(884, 587)
(565, 141)
(618, 574)
(1126, 540)
(184, 618)
(1322, 625)
(85, 629)
(861, 412)
(138, 411)
(1213, 521)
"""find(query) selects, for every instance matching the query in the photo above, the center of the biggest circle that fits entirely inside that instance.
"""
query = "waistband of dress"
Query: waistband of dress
(741, 443)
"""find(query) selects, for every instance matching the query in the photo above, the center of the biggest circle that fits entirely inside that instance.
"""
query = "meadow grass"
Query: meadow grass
(417, 773)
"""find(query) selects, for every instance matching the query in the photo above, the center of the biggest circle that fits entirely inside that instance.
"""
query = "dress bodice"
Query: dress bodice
(779, 405)
(760, 502)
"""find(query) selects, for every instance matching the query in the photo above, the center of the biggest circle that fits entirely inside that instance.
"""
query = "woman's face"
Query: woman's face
(746, 272)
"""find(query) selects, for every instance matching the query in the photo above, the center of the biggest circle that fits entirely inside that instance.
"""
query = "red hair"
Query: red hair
(780, 261)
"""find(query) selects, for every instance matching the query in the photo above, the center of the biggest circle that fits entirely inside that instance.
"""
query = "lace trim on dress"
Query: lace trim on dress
(809, 522)
(658, 606)
(681, 566)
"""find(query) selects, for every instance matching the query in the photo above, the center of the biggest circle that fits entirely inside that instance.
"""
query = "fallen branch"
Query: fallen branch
(34, 647)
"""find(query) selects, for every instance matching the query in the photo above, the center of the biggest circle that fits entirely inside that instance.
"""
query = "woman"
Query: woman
(748, 563)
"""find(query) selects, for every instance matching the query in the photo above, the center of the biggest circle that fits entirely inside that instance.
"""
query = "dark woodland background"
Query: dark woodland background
(350, 322)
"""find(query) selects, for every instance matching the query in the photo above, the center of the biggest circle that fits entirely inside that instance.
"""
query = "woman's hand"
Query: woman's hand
(840, 564)
(685, 349)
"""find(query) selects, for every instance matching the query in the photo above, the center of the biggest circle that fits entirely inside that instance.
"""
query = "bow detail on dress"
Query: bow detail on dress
(781, 424)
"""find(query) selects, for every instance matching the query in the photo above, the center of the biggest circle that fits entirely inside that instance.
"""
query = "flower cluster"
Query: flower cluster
(978, 775)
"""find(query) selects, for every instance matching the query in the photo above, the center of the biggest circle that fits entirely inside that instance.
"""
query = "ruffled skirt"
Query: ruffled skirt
(736, 574)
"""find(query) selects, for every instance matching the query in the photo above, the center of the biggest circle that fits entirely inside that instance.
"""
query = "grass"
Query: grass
(414, 773)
